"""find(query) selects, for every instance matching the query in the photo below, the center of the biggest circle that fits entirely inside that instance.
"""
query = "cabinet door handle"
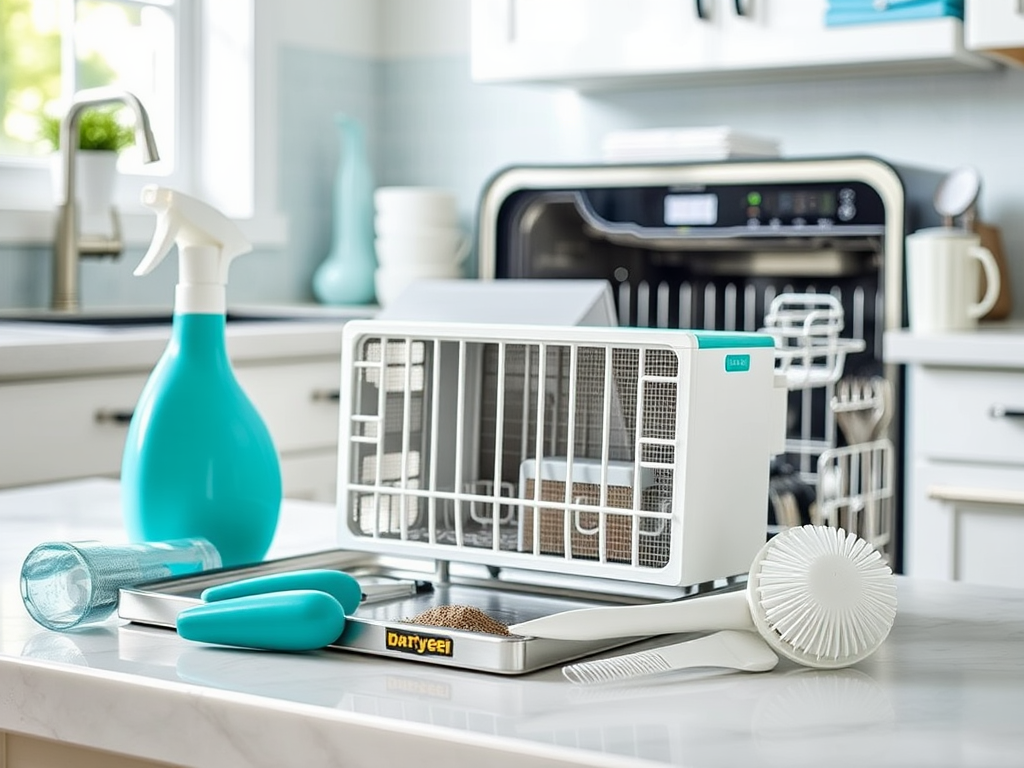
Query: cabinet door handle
(702, 12)
(1000, 411)
(113, 416)
(325, 395)
(510, 21)
(743, 7)
(956, 495)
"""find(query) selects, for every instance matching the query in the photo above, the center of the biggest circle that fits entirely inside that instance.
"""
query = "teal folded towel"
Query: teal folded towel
(845, 12)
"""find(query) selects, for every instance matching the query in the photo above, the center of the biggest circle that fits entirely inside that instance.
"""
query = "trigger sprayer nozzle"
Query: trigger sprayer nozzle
(207, 241)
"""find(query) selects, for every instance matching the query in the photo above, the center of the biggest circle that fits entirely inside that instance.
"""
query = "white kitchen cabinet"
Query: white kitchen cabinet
(58, 429)
(995, 28)
(299, 402)
(311, 476)
(21, 751)
(72, 423)
(968, 523)
(585, 39)
(598, 42)
(964, 510)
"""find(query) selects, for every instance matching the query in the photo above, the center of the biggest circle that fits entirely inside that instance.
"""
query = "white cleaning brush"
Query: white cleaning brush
(728, 649)
(819, 596)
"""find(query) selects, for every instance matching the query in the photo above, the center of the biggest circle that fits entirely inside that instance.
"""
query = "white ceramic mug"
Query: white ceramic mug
(943, 279)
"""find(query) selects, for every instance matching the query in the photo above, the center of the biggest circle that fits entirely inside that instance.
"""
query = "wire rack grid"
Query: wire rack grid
(520, 449)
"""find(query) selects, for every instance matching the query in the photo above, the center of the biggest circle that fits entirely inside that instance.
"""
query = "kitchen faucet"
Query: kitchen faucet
(70, 246)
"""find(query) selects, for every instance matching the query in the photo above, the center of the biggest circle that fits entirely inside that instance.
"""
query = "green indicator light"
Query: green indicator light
(753, 198)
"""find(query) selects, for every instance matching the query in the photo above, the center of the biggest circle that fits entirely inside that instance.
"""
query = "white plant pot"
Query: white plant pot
(95, 179)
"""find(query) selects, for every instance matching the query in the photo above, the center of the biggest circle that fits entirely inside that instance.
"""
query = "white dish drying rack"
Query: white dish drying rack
(592, 452)
(854, 482)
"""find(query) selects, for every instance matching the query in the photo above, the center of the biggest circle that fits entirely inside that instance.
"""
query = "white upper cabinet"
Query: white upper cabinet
(570, 39)
(597, 42)
(996, 27)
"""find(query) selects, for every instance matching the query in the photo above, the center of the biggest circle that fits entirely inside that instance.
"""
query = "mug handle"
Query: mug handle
(992, 280)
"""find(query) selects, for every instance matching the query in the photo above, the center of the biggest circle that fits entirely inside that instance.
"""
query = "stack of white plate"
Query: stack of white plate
(685, 144)
(418, 238)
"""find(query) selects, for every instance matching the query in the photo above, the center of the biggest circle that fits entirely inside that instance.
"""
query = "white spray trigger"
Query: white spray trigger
(191, 223)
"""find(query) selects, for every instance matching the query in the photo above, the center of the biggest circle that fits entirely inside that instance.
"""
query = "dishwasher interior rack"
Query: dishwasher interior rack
(808, 347)
(857, 491)
(854, 483)
(624, 454)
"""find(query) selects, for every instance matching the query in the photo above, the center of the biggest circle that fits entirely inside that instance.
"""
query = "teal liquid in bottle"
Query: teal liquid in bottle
(199, 460)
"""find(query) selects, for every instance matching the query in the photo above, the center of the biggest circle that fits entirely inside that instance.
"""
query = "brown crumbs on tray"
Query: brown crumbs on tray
(460, 617)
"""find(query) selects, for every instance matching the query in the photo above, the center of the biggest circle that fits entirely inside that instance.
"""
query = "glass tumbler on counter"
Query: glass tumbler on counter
(68, 584)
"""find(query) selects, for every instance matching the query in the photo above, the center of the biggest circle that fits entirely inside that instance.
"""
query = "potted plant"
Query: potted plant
(101, 137)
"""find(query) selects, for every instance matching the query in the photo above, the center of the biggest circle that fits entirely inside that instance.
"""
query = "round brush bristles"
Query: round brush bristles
(822, 597)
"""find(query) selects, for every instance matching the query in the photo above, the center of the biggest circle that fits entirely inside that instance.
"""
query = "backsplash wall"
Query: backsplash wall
(438, 128)
(428, 124)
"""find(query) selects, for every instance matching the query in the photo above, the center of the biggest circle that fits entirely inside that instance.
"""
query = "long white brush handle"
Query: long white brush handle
(728, 649)
(699, 614)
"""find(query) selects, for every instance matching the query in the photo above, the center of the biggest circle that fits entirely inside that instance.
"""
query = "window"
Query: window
(56, 47)
(191, 62)
(53, 48)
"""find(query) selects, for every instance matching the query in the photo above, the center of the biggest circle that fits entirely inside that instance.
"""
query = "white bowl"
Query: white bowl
(422, 271)
(416, 205)
(442, 247)
(390, 226)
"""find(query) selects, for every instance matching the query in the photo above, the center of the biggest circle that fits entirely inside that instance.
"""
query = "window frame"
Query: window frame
(222, 128)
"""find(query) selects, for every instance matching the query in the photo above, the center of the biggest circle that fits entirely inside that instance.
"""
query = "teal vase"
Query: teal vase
(346, 276)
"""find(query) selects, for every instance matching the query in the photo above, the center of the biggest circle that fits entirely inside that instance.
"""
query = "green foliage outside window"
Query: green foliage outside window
(98, 129)
(30, 73)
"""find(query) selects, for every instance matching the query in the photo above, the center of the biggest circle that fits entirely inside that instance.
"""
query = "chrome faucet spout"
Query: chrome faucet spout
(68, 249)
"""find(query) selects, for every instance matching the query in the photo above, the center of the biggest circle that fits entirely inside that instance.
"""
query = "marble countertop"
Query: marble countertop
(31, 349)
(992, 345)
(945, 689)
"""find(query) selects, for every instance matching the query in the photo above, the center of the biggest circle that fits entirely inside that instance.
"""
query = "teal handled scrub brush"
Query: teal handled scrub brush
(817, 595)
(295, 611)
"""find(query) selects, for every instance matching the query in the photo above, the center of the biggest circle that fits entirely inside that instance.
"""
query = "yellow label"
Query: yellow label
(414, 642)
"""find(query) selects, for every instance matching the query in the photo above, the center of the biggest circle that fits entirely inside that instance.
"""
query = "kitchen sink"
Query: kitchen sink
(147, 318)
(108, 321)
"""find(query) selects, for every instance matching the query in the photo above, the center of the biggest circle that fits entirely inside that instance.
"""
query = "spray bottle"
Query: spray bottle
(198, 460)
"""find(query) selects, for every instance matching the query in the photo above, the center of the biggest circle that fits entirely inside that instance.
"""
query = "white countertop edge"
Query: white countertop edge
(209, 728)
(996, 345)
(27, 353)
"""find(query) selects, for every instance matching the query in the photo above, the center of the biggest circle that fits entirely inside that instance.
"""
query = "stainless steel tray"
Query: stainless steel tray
(396, 590)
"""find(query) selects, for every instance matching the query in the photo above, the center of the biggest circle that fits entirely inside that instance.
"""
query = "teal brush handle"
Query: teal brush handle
(297, 620)
(341, 586)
